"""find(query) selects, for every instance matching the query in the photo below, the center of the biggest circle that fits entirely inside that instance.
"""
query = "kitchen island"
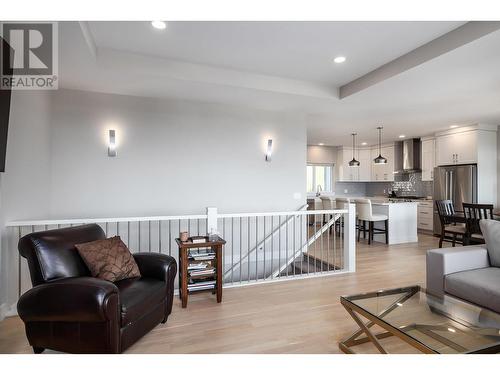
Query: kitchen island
(402, 221)
(402, 217)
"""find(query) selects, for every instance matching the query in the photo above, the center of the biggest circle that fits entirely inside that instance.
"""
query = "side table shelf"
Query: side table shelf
(200, 270)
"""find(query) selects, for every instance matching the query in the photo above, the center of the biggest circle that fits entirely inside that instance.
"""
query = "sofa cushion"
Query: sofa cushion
(491, 234)
(139, 296)
(109, 259)
(480, 286)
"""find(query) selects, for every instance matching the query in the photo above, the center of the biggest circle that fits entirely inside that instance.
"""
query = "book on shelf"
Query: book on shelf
(195, 254)
(198, 239)
(202, 272)
(194, 288)
(209, 257)
(197, 266)
(202, 256)
(201, 282)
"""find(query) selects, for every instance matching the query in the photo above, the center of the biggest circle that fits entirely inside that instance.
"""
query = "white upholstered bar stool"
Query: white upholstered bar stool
(342, 203)
(328, 204)
(365, 214)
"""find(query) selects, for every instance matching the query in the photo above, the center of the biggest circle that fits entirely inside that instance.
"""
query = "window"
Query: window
(319, 175)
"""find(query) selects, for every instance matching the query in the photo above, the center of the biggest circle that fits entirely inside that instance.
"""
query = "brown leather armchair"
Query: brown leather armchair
(70, 311)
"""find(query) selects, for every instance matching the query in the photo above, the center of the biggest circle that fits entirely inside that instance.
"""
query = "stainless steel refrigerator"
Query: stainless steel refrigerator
(457, 183)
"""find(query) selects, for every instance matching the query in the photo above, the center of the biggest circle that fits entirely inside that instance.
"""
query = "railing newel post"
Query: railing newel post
(349, 255)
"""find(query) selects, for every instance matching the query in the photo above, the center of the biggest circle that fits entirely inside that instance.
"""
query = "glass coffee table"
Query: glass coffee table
(430, 324)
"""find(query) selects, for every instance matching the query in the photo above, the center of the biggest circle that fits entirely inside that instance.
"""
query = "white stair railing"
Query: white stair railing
(271, 236)
(303, 249)
(260, 246)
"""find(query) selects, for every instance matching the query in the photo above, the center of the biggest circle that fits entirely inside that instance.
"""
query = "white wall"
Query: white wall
(24, 187)
(174, 157)
(322, 154)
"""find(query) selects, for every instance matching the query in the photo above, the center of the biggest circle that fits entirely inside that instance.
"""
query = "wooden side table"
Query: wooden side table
(185, 259)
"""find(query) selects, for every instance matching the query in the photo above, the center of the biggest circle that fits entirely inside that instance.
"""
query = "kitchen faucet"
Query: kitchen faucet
(319, 189)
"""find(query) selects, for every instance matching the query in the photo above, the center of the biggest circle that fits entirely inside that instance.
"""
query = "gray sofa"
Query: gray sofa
(466, 273)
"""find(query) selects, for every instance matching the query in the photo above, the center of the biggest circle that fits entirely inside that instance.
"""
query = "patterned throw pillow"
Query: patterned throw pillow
(109, 259)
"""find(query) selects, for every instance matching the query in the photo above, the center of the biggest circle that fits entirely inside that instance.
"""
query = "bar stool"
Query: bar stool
(328, 204)
(364, 213)
(341, 203)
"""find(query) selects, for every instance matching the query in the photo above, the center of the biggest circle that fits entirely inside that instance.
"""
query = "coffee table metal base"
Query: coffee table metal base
(353, 340)
(430, 330)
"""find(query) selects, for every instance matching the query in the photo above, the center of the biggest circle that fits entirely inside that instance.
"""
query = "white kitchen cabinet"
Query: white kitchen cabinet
(425, 215)
(457, 148)
(347, 173)
(383, 172)
(344, 171)
(377, 170)
(367, 170)
(365, 167)
(474, 144)
(428, 159)
(388, 152)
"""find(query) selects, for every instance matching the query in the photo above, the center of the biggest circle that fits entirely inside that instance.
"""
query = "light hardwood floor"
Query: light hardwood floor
(298, 316)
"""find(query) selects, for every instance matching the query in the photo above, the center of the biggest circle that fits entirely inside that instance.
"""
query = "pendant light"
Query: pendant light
(353, 162)
(380, 159)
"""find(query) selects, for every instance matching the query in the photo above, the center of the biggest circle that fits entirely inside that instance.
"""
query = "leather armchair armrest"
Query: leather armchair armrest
(76, 299)
(442, 262)
(158, 266)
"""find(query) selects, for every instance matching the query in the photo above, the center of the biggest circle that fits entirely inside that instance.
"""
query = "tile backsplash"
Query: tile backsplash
(409, 184)
(354, 189)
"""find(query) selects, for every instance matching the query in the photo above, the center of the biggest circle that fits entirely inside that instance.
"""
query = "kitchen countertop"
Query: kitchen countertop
(379, 200)
(382, 203)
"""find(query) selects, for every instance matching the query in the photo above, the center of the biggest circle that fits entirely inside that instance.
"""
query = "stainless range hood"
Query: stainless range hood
(407, 156)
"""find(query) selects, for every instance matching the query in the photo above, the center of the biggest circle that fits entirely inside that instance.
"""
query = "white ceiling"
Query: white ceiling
(298, 50)
(287, 66)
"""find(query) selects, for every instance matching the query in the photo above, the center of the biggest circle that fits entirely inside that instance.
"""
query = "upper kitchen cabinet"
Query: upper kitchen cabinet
(476, 144)
(347, 173)
(344, 171)
(428, 156)
(457, 147)
(365, 166)
(383, 172)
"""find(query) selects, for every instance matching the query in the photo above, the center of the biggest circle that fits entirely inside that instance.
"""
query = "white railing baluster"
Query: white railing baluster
(241, 240)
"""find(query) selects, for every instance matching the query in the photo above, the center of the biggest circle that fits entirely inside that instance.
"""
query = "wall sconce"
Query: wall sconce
(269, 149)
(112, 143)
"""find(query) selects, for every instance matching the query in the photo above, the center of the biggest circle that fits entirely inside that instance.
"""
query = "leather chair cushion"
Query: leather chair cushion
(109, 259)
(52, 254)
(139, 296)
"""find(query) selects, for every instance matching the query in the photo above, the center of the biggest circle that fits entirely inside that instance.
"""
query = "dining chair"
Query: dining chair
(365, 214)
(451, 223)
(473, 214)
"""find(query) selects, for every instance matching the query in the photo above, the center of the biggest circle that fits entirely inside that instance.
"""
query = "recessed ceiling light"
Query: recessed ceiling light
(160, 25)
(363, 143)
(321, 144)
(402, 136)
(339, 59)
(453, 126)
